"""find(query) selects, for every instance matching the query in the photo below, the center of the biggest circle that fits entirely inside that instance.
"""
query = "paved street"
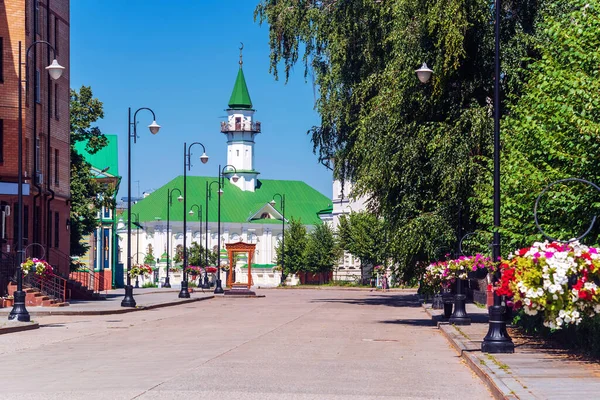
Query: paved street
(292, 344)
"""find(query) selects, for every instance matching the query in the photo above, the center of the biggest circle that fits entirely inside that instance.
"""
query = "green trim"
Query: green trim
(259, 266)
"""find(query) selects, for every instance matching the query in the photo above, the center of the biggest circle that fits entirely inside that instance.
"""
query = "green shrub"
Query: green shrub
(149, 285)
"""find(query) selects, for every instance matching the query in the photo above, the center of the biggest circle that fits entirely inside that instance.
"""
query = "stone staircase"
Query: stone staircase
(35, 298)
(81, 292)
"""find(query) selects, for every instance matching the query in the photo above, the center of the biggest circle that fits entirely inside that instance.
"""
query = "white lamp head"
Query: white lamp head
(235, 178)
(154, 127)
(424, 73)
(55, 69)
(204, 158)
(220, 192)
(180, 199)
(191, 212)
(272, 203)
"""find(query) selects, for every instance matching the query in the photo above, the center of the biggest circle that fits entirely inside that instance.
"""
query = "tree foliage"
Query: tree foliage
(553, 132)
(87, 195)
(295, 245)
(415, 150)
(322, 252)
(197, 256)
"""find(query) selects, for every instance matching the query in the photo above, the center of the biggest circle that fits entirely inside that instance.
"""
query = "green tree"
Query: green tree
(322, 252)
(295, 245)
(87, 195)
(197, 256)
(415, 150)
(552, 132)
(363, 235)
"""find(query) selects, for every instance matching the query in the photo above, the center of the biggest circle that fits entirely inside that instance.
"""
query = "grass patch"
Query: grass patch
(479, 305)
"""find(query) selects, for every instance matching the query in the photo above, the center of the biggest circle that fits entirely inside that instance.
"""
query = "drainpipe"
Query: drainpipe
(48, 148)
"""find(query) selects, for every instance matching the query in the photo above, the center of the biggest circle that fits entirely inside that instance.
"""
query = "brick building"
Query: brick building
(46, 150)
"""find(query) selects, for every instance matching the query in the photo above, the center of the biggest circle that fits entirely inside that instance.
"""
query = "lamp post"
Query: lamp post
(199, 211)
(272, 202)
(128, 300)
(187, 164)
(206, 285)
(169, 204)
(136, 221)
(19, 311)
(497, 339)
(234, 178)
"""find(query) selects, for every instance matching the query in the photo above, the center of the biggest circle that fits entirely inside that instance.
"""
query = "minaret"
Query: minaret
(241, 129)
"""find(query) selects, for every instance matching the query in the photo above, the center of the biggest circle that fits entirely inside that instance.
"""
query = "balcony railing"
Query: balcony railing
(240, 127)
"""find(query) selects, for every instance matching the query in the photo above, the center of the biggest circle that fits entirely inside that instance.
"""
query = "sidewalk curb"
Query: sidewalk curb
(117, 311)
(497, 377)
(19, 328)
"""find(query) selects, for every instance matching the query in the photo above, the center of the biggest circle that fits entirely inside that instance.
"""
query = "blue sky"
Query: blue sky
(181, 59)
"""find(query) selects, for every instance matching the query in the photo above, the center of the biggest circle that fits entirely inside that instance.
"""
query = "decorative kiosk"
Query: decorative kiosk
(236, 287)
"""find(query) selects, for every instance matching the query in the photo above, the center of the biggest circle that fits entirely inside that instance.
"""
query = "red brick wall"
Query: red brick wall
(16, 26)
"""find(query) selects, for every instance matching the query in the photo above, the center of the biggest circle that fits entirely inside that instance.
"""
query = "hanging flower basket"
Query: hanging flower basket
(557, 280)
(140, 270)
(442, 274)
(37, 266)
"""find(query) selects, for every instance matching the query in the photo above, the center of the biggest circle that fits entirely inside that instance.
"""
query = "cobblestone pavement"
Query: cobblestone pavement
(291, 344)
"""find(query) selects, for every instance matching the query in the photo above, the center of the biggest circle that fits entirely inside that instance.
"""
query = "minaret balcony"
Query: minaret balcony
(253, 127)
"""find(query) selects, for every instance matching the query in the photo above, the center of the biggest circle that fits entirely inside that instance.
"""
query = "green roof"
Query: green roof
(107, 157)
(301, 201)
(240, 98)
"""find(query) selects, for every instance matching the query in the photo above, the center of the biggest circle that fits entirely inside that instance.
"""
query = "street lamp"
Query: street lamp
(128, 300)
(424, 73)
(199, 210)
(187, 164)
(497, 339)
(234, 178)
(205, 284)
(169, 204)
(19, 311)
(272, 202)
(136, 221)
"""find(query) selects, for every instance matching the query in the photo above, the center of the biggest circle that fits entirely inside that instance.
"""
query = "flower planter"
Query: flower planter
(9, 302)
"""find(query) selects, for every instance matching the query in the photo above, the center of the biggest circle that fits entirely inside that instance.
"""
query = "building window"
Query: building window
(56, 21)
(38, 156)
(237, 153)
(36, 16)
(27, 165)
(56, 114)
(38, 95)
(56, 235)
(25, 224)
(1, 60)
(56, 166)
(1, 140)
(106, 212)
(49, 100)
(36, 223)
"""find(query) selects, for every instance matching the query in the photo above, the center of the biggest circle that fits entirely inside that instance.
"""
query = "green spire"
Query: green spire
(240, 98)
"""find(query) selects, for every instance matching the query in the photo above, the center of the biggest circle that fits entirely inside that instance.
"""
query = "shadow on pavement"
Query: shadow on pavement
(396, 300)
(413, 322)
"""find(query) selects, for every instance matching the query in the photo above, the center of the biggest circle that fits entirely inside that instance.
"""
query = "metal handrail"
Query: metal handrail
(240, 126)
(91, 279)
(51, 285)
